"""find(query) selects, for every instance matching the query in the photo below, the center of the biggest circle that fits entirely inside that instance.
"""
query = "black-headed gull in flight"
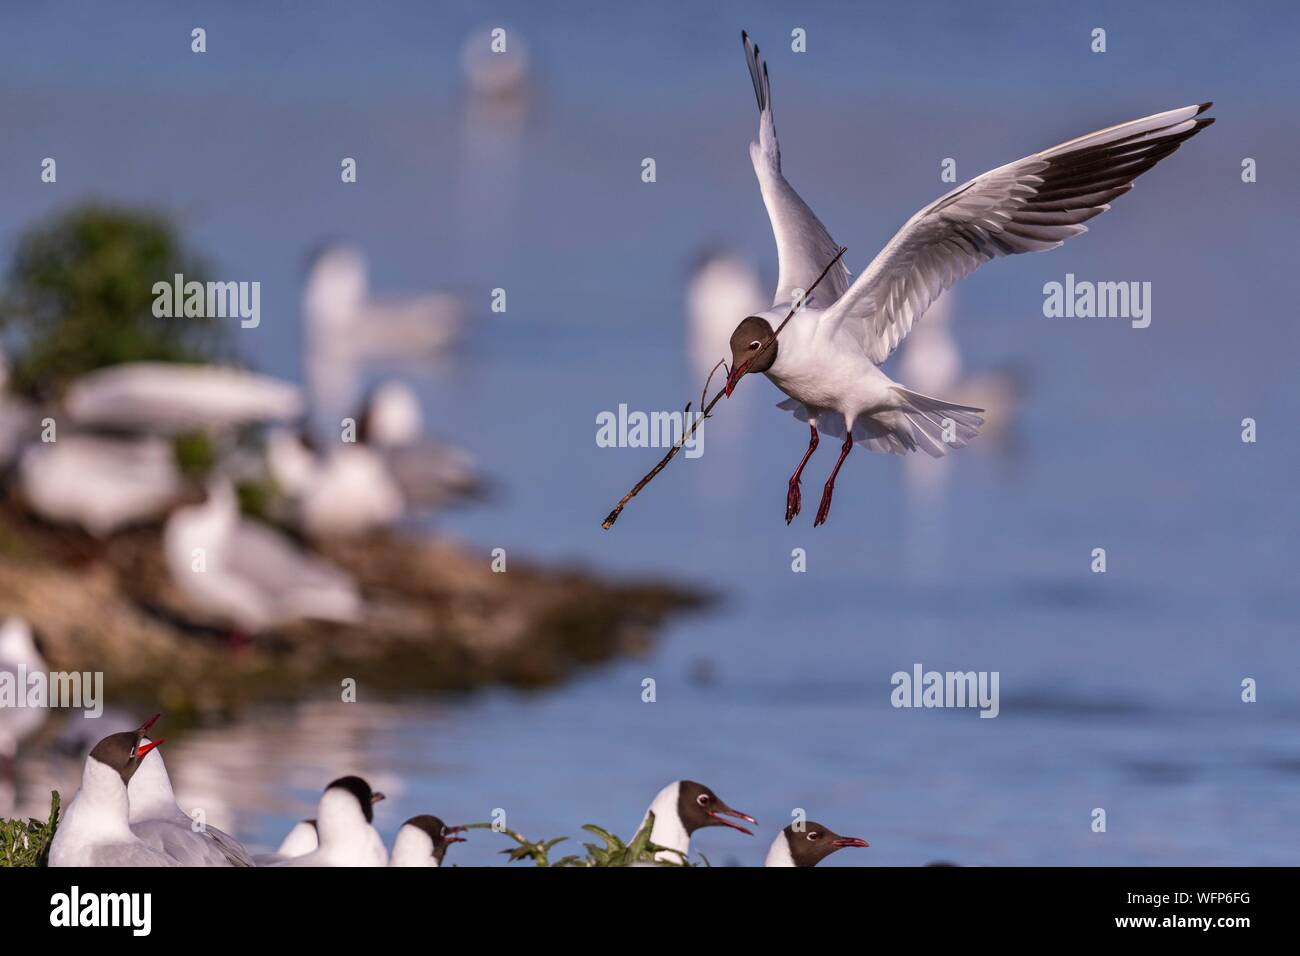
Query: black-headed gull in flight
(807, 845)
(828, 358)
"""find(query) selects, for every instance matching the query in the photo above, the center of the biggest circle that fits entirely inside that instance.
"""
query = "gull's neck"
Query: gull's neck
(668, 830)
(778, 853)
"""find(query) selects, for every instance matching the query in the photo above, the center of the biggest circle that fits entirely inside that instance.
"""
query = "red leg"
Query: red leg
(793, 500)
(825, 509)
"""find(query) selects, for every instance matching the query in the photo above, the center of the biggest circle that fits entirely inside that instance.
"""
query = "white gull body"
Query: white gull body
(157, 819)
(346, 837)
(247, 573)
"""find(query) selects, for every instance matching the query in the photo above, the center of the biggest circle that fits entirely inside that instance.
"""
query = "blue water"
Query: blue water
(1119, 691)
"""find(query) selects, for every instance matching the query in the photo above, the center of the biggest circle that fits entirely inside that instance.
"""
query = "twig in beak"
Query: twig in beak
(686, 435)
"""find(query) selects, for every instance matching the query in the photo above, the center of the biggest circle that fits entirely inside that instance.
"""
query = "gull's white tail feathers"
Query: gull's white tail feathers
(935, 424)
(920, 423)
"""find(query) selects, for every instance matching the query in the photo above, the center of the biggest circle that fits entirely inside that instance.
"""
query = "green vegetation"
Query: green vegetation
(80, 297)
(614, 852)
(27, 843)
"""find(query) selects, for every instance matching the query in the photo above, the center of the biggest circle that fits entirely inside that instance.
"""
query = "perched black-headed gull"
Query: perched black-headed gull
(343, 826)
(248, 574)
(95, 829)
(157, 819)
(423, 841)
(807, 845)
(827, 359)
(680, 809)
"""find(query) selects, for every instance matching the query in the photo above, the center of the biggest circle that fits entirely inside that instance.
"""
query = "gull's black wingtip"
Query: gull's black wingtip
(1202, 107)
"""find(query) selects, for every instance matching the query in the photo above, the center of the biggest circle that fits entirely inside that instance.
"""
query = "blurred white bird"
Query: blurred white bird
(19, 656)
(170, 398)
(931, 360)
(157, 819)
(345, 327)
(721, 287)
(101, 484)
(390, 470)
(248, 574)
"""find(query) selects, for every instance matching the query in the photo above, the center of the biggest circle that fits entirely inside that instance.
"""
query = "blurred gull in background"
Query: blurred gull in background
(345, 328)
(98, 483)
(170, 398)
(18, 655)
(722, 286)
(248, 574)
(389, 471)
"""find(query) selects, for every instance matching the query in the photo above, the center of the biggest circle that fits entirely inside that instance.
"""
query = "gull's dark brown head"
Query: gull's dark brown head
(753, 349)
(441, 835)
(124, 751)
(811, 843)
(698, 806)
(366, 797)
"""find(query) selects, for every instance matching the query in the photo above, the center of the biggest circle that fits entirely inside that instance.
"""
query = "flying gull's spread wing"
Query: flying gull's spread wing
(1030, 205)
(803, 246)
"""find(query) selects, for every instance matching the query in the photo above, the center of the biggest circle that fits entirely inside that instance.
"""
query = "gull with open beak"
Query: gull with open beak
(423, 841)
(807, 844)
(828, 358)
(680, 809)
(95, 829)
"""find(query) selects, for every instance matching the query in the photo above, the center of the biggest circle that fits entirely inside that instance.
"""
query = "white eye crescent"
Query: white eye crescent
(754, 345)
(814, 835)
(702, 799)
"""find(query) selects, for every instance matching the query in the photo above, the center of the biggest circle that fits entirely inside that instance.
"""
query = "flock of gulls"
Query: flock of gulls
(113, 463)
(126, 814)
(104, 458)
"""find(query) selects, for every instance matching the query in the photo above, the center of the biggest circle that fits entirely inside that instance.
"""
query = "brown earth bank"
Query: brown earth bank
(438, 618)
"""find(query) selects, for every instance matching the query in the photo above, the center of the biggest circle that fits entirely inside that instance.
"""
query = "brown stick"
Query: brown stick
(686, 436)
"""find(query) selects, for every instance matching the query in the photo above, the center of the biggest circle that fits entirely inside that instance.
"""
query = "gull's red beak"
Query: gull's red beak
(734, 377)
(149, 723)
(452, 839)
(376, 797)
(717, 815)
(849, 841)
(143, 749)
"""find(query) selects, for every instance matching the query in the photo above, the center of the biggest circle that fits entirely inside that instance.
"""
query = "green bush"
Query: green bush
(80, 297)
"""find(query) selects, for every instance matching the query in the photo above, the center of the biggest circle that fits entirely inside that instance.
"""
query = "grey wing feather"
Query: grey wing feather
(803, 246)
(1031, 205)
